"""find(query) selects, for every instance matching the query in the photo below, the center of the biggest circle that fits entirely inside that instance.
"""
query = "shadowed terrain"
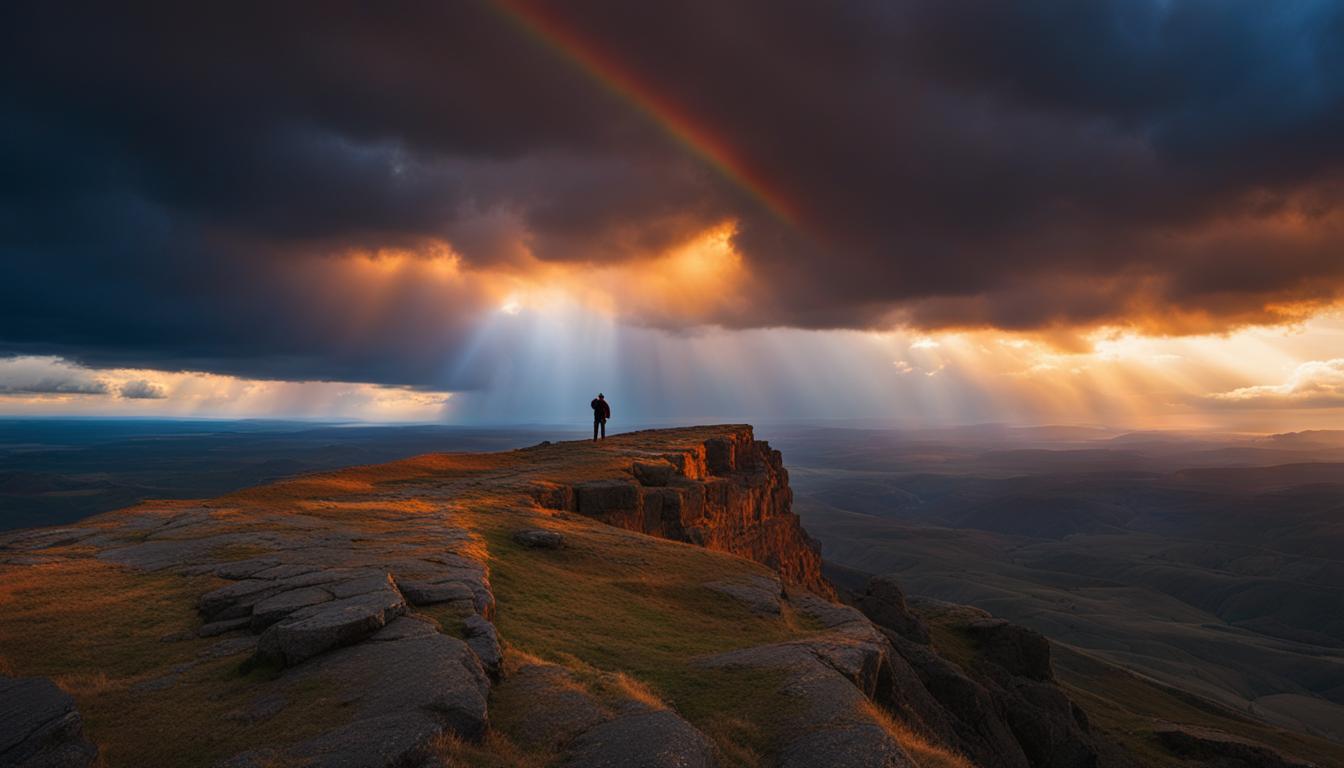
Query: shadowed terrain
(648, 600)
(1207, 563)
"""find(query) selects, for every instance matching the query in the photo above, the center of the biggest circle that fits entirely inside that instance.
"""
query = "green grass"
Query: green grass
(613, 602)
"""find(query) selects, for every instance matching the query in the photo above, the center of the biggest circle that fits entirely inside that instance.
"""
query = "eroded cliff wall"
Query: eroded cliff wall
(728, 492)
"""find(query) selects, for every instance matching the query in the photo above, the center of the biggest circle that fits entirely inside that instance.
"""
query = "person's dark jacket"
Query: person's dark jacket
(601, 411)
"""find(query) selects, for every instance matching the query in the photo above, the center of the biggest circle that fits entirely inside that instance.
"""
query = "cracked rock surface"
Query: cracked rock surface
(40, 727)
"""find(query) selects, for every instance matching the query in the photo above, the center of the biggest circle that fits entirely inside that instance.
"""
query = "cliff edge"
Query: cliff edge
(649, 600)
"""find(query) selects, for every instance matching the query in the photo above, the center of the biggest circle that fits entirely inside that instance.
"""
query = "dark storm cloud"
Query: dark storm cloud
(181, 180)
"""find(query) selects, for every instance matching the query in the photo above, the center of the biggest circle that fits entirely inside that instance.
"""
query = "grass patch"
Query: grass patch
(76, 616)
(953, 644)
(449, 620)
(494, 751)
(1127, 706)
(95, 629)
(629, 611)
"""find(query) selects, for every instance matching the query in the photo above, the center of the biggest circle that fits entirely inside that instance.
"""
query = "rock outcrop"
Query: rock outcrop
(1001, 706)
(730, 493)
(1216, 749)
(828, 684)
(559, 715)
(40, 727)
(368, 596)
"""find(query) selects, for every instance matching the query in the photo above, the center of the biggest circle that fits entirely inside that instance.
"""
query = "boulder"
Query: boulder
(884, 603)
(40, 727)
(313, 630)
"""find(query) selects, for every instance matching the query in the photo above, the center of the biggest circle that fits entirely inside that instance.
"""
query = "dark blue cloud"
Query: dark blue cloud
(173, 170)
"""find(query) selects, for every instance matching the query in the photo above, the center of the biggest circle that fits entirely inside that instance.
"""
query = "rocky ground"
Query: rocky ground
(650, 600)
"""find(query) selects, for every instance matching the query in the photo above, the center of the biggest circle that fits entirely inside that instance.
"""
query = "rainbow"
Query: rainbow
(548, 27)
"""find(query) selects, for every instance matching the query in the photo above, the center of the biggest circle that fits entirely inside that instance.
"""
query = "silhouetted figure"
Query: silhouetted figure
(601, 412)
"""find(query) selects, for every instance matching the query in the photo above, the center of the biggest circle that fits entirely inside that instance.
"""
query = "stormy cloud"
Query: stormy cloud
(214, 187)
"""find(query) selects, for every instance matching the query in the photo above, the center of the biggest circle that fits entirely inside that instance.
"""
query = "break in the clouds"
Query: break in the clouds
(1314, 384)
(340, 191)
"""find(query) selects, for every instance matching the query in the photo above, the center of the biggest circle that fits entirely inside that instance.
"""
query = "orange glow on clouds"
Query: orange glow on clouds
(689, 283)
(568, 321)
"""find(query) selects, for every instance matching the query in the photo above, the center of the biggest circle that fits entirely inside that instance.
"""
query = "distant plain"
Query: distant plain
(1211, 563)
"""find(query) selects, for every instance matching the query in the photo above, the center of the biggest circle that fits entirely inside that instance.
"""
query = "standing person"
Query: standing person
(601, 412)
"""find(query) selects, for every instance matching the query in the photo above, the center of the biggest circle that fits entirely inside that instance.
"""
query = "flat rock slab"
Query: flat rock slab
(40, 727)
(649, 739)
(405, 686)
(319, 628)
(758, 593)
(832, 679)
(272, 609)
(554, 708)
(220, 627)
(828, 614)
(860, 746)
(432, 593)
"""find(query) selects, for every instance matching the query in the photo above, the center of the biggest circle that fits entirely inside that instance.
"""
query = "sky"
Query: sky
(908, 212)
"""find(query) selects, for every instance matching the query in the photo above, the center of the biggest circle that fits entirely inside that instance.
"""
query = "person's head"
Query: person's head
(600, 396)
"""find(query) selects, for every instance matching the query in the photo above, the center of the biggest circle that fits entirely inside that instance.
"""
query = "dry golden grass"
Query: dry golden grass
(925, 753)
(95, 629)
(630, 617)
(494, 751)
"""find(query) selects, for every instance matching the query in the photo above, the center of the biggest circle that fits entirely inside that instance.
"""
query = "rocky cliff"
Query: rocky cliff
(727, 492)
(650, 600)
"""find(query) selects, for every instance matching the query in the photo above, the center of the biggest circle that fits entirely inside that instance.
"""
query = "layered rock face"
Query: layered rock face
(729, 493)
(999, 702)
(40, 727)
